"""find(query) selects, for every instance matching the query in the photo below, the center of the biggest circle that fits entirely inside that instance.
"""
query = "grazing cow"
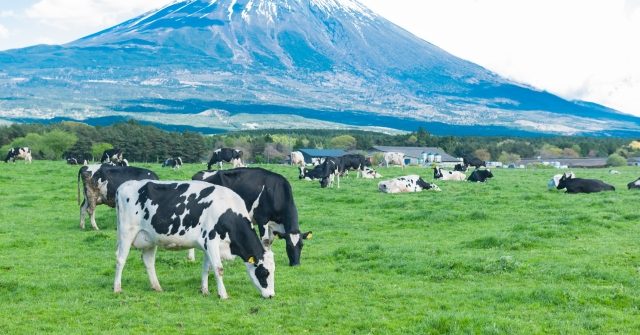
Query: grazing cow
(174, 163)
(19, 153)
(396, 158)
(411, 183)
(112, 156)
(228, 155)
(370, 173)
(473, 161)
(297, 158)
(438, 173)
(581, 185)
(193, 214)
(100, 183)
(553, 182)
(326, 172)
(460, 168)
(353, 161)
(634, 184)
(269, 199)
(480, 176)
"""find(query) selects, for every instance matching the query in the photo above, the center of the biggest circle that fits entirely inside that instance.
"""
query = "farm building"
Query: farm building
(309, 154)
(421, 155)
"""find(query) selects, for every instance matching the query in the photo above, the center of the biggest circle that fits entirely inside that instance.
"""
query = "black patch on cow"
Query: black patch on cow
(262, 274)
(167, 217)
(212, 234)
(244, 241)
(128, 199)
(182, 232)
(423, 184)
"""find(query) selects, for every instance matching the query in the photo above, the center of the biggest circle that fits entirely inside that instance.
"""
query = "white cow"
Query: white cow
(441, 174)
(553, 182)
(411, 183)
(370, 173)
(190, 214)
(396, 158)
(297, 158)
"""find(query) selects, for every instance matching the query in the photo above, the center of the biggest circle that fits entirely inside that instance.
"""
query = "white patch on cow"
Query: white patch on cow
(255, 205)
(295, 239)
(208, 174)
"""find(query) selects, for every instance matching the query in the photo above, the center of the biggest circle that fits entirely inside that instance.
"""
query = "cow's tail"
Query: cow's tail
(79, 174)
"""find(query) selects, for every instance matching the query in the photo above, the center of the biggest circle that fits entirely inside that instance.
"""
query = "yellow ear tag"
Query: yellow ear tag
(251, 260)
(309, 236)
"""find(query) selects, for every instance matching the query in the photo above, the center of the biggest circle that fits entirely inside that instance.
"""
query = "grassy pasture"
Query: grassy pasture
(506, 257)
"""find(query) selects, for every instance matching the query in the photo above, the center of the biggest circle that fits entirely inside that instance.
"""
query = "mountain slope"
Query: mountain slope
(330, 61)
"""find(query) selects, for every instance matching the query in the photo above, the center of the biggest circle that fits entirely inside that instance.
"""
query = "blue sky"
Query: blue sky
(578, 49)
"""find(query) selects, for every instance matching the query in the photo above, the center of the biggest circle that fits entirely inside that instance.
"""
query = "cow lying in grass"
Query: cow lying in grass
(441, 174)
(580, 185)
(411, 183)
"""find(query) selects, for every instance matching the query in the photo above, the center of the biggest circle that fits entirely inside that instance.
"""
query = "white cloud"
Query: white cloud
(7, 13)
(4, 32)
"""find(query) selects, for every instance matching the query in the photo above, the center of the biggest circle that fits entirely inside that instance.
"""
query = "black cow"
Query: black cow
(325, 172)
(100, 182)
(228, 155)
(112, 156)
(473, 161)
(634, 184)
(20, 153)
(174, 163)
(353, 161)
(460, 168)
(581, 185)
(480, 176)
(182, 215)
(269, 200)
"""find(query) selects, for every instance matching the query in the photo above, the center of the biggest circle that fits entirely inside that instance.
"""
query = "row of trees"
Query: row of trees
(145, 143)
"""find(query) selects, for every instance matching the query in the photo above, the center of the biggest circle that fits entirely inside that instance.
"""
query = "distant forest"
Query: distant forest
(144, 143)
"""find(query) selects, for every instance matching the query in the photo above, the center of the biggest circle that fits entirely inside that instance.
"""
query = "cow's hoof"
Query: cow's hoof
(205, 291)
(157, 289)
(223, 296)
(117, 290)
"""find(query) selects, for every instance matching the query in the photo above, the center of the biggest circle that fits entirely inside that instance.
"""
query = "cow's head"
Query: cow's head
(427, 186)
(324, 182)
(489, 174)
(303, 172)
(294, 242)
(437, 173)
(634, 184)
(262, 273)
(562, 183)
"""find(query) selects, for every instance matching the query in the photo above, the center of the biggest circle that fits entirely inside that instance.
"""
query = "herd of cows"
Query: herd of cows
(216, 211)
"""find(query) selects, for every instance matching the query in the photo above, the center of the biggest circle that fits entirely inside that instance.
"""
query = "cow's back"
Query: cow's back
(118, 175)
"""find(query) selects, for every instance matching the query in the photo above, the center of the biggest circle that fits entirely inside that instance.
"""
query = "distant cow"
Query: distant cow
(315, 161)
(100, 182)
(114, 156)
(553, 182)
(480, 176)
(460, 168)
(182, 215)
(473, 161)
(72, 161)
(411, 183)
(353, 161)
(395, 158)
(634, 184)
(19, 153)
(326, 173)
(439, 173)
(580, 185)
(225, 155)
(297, 158)
(269, 199)
(174, 163)
(370, 173)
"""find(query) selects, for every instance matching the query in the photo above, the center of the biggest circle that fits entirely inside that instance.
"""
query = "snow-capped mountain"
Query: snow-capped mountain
(237, 64)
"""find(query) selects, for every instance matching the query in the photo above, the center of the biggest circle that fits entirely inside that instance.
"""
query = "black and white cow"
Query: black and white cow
(100, 182)
(269, 199)
(112, 156)
(228, 155)
(411, 183)
(174, 163)
(192, 214)
(370, 173)
(353, 162)
(581, 185)
(460, 167)
(480, 176)
(19, 153)
(438, 173)
(634, 184)
(72, 161)
(326, 172)
(473, 161)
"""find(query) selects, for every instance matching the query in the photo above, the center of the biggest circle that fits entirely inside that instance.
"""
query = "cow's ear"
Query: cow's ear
(307, 236)
(251, 260)
(278, 235)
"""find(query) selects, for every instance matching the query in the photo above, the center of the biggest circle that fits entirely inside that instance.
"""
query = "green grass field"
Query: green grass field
(506, 257)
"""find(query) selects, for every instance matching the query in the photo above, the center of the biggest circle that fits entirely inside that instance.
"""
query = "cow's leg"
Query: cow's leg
(206, 264)
(191, 255)
(125, 239)
(213, 252)
(92, 214)
(149, 259)
(83, 211)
